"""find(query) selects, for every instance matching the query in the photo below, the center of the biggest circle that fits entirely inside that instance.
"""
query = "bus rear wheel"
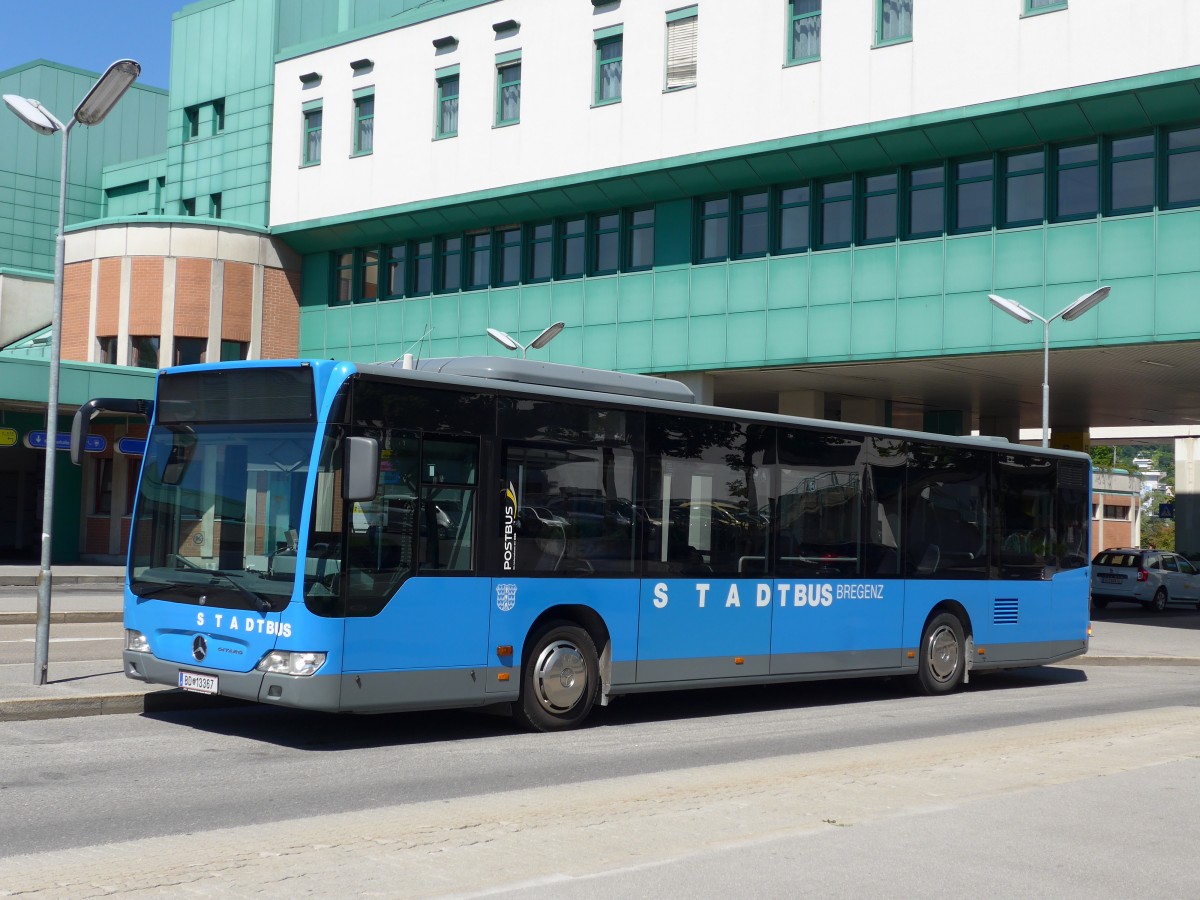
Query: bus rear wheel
(560, 678)
(943, 657)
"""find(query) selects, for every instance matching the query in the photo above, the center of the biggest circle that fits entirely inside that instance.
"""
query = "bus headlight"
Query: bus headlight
(291, 662)
(135, 640)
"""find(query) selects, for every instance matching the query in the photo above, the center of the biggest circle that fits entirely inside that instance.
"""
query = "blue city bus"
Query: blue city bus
(503, 532)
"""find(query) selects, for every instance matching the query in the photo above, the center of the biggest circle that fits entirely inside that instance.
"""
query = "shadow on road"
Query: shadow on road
(303, 730)
(1171, 617)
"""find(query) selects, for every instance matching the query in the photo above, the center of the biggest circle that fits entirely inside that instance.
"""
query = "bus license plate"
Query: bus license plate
(201, 684)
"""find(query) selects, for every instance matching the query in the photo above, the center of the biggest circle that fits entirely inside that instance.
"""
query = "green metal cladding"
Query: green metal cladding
(30, 163)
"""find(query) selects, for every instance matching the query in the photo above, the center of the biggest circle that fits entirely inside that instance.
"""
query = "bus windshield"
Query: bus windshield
(218, 514)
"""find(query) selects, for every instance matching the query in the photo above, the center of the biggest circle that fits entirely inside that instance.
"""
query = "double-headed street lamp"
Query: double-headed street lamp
(91, 110)
(1024, 315)
(509, 342)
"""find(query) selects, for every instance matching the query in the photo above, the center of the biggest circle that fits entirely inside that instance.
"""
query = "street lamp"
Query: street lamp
(1024, 315)
(510, 343)
(91, 110)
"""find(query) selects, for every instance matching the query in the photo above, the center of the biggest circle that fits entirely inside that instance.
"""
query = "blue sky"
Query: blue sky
(90, 34)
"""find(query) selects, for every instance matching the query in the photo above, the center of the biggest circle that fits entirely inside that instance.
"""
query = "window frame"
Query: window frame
(673, 26)
(1054, 185)
(1109, 161)
(822, 202)
(602, 40)
(866, 195)
(448, 260)
(910, 233)
(1164, 149)
(595, 233)
(632, 229)
(740, 214)
(779, 205)
(1002, 220)
(442, 81)
(956, 182)
(500, 245)
(1050, 6)
(880, 41)
(506, 63)
(360, 118)
(702, 218)
(793, 18)
(308, 129)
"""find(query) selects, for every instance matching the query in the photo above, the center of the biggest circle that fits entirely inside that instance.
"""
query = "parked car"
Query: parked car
(1153, 578)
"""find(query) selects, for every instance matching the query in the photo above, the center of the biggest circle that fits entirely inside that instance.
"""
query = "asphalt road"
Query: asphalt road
(1048, 782)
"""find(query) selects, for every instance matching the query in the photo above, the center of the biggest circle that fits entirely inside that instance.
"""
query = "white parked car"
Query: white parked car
(1153, 578)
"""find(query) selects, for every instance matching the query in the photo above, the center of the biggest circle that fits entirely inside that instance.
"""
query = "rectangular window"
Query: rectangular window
(752, 219)
(394, 281)
(880, 207)
(312, 137)
(1183, 167)
(343, 277)
(541, 251)
(368, 279)
(893, 21)
(218, 113)
(364, 125)
(681, 48)
(1131, 174)
(606, 243)
(508, 260)
(1077, 181)
(143, 351)
(106, 350)
(449, 264)
(572, 248)
(232, 351)
(640, 248)
(1025, 188)
(714, 229)
(1032, 7)
(191, 123)
(973, 182)
(794, 205)
(447, 101)
(479, 259)
(508, 94)
(190, 351)
(608, 69)
(805, 44)
(214, 205)
(927, 201)
(189, 206)
(837, 213)
(422, 282)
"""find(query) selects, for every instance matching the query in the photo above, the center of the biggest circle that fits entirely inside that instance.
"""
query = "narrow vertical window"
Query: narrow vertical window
(714, 229)
(752, 224)
(608, 68)
(794, 207)
(1025, 188)
(189, 206)
(880, 207)
(479, 259)
(1077, 181)
(1039, 6)
(1131, 174)
(508, 94)
(143, 351)
(368, 278)
(449, 264)
(893, 21)
(107, 352)
(541, 251)
(312, 136)
(1183, 167)
(805, 43)
(364, 125)
(927, 201)
(422, 267)
(973, 182)
(606, 243)
(214, 206)
(397, 256)
(681, 48)
(837, 210)
(641, 239)
(191, 123)
(218, 111)
(447, 102)
(572, 248)
(343, 277)
(508, 250)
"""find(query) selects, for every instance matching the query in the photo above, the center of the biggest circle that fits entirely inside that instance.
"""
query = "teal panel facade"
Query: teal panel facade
(30, 163)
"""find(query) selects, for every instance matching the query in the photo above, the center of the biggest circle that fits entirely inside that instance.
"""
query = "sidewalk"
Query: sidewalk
(1124, 636)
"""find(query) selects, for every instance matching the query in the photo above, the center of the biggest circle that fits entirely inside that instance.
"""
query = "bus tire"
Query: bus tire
(942, 659)
(560, 678)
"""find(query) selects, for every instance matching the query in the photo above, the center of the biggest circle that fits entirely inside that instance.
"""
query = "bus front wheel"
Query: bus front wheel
(560, 678)
(943, 657)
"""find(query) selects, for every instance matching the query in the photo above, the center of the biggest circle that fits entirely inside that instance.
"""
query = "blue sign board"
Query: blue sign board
(1166, 510)
(62, 441)
(132, 446)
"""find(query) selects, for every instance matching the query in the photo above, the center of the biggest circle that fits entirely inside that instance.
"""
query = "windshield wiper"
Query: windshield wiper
(260, 603)
(149, 590)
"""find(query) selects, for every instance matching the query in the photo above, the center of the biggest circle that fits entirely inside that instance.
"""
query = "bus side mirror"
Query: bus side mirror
(81, 424)
(360, 469)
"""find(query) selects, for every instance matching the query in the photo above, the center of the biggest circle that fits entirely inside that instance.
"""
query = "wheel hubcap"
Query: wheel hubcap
(943, 654)
(560, 677)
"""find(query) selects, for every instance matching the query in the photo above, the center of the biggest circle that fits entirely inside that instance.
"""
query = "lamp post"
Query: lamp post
(510, 343)
(1024, 315)
(99, 101)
